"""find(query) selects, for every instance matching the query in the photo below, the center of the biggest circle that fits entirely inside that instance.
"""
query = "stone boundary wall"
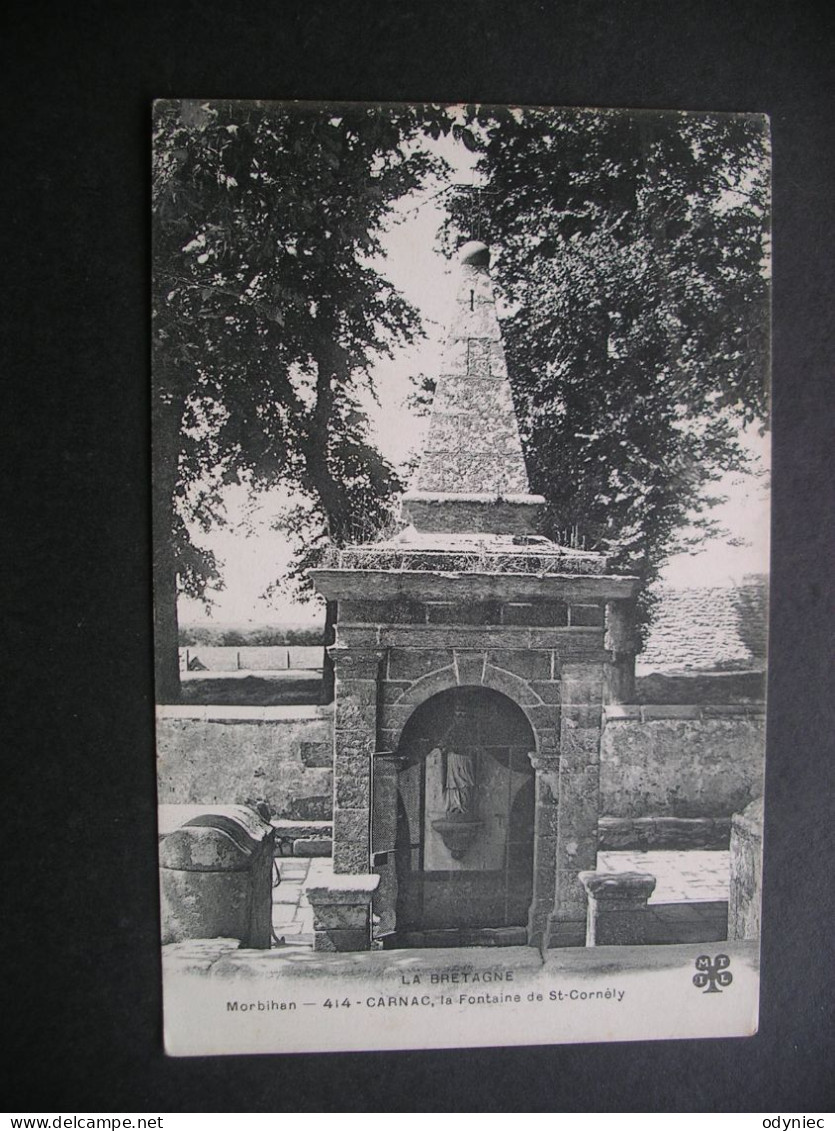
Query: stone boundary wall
(252, 657)
(658, 762)
(689, 761)
(746, 687)
(679, 833)
(232, 755)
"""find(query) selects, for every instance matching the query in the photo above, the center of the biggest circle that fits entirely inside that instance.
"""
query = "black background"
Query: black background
(80, 881)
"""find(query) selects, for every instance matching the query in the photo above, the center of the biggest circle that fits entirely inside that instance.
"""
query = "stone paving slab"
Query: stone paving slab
(287, 893)
(688, 876)
(292, 928)
(292, 867)
(292, 917)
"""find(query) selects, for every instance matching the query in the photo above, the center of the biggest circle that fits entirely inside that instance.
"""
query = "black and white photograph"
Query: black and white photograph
(460, 422)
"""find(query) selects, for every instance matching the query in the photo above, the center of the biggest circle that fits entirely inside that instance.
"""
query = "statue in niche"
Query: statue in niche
(459, 826)
(459, 783)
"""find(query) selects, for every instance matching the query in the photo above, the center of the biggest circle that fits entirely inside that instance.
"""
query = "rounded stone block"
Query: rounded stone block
(205, 905)
(203, 850)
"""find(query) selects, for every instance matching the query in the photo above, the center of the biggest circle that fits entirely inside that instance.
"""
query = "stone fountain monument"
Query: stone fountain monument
(473, 658)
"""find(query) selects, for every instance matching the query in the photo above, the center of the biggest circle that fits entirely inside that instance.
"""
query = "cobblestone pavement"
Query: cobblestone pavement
(694, 876)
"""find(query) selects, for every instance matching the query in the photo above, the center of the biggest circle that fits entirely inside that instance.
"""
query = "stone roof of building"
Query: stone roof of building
(709, 629)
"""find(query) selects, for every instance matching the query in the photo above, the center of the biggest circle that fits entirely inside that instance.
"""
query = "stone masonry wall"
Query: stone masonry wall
(229, 755)
(698, 762)
(547, 657)
(680, 761)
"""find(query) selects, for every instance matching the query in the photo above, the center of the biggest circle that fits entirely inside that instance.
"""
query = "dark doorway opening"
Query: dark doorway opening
(465, 825)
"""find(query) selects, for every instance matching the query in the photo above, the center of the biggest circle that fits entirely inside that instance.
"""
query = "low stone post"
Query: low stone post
(580, 722)
(342, 911)
(617, 907)
(547, 801)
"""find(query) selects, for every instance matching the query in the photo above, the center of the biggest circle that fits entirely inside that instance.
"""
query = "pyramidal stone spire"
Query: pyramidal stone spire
(472, 476)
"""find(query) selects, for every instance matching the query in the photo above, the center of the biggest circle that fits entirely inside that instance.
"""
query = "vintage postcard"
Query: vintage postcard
(461, 545)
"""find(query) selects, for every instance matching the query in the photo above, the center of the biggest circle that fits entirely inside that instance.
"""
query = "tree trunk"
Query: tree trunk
(166, 625)
(328, 670)
(167, 415)
(330, 366)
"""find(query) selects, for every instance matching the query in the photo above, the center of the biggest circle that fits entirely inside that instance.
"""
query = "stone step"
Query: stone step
(296, 829)
(303, 838)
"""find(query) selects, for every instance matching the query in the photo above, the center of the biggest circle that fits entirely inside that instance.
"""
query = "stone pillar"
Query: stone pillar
(579, 798)
(546, 766)
(355, 736)
(620, 640)
(617, 907)
(342, 911)
(746, 872)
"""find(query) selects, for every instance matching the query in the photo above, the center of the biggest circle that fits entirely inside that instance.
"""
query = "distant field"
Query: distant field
(251, 658)
(283, 689)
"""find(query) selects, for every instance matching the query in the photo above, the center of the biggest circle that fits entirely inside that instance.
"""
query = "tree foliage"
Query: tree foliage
(268, 312)
(630, 255)
(263, 636)
(631, 252)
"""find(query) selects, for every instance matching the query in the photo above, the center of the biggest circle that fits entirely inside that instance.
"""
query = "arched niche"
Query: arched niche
(466, 817)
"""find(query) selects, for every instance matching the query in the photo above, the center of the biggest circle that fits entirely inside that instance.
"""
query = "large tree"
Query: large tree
(631, 251)
(268, 311)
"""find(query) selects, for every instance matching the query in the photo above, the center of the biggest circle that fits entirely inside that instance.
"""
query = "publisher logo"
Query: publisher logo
(713, 973)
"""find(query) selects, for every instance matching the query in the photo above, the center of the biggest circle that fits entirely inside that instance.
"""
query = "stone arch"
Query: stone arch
(510, 686)
(497, 888)
(505, 702)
